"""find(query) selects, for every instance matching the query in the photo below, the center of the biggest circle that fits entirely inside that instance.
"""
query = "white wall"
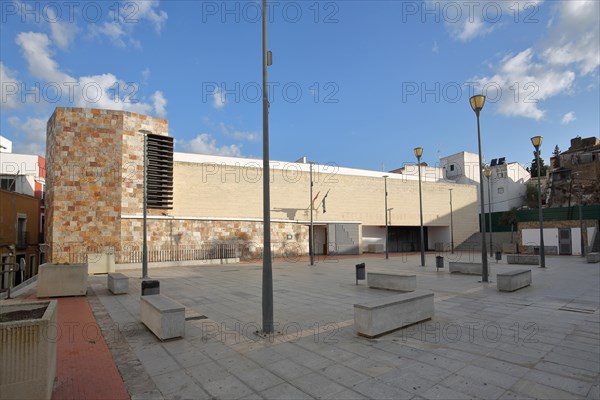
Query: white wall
(576, 241)
(531, 237)
(24, 167)
(5, 145)
(373, 235)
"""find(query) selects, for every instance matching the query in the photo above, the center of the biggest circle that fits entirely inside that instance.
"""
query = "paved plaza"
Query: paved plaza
(542, 341)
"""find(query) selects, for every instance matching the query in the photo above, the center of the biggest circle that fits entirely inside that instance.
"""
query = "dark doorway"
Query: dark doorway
(406, 238)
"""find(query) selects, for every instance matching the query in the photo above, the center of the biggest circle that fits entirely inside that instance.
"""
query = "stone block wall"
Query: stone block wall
(94, 167)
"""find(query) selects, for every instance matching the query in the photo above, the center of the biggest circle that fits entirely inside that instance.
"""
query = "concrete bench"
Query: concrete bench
(118, 283)
(592, 257)
(381, 316)
(513, 280)
(163, 316)
(465, 268)
(527, 259)
(402, 282)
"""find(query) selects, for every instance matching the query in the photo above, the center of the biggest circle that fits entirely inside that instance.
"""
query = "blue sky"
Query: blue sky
(357, 83)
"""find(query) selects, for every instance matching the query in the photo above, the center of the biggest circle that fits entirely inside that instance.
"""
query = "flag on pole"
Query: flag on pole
(323, 202)
(313, 202)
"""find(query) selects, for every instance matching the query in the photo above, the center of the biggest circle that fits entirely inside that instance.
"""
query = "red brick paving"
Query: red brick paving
(85, 369)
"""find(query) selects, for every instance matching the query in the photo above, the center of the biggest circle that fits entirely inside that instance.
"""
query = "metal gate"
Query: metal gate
(564, 241)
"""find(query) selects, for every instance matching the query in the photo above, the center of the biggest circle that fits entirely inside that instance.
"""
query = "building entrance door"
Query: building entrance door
(564, 241)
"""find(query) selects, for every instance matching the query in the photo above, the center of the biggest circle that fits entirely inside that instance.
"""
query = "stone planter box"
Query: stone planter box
(101, 263)
(59, 280)
(28, 347)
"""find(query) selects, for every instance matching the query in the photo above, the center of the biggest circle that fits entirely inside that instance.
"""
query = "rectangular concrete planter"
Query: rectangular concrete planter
(381, 316)
(163, 316)
(28, 348)
(118, 283)
(101, 263)
(465, 268)
(60, 280)
(592, 257)
(526, 259)
(513, 280)
(401, 282)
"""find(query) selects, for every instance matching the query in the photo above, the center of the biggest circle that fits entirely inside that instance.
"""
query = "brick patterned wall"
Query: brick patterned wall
(94, 173)
(187, 232)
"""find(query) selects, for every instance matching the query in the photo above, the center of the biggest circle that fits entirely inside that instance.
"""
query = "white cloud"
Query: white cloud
(63, 33)
(123, 20)
(231, 132)
(572, 44)
(147, 9)
(98, 91)
(468, 20)
(30, 135)
(206, 144)
(146, 74)
(160, 104)
(35, 49)
(435, 48)
(218, 98)
(575, 39)
(520, 84)
(568, 118)
(9, 88)
(113, 30)
(470, 29)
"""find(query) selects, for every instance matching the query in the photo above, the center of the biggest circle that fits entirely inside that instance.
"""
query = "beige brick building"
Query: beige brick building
(95, 197)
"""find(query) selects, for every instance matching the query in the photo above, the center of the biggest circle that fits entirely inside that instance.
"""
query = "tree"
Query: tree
(534, 167)
(531, 197)
(556, 158)
(509, 218)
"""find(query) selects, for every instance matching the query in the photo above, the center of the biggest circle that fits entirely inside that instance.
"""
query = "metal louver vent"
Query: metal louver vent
(160, 172)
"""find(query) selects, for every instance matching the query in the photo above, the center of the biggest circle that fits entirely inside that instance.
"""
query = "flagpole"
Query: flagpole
(267, 271)
(311, 239)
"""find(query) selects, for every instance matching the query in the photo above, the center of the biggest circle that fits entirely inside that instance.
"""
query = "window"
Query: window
(500, 190)
(21, 232)
(451, 167)
(8, 183)
(500, 174)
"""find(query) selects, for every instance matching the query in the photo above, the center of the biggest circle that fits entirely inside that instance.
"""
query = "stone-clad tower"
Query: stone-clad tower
(94, 164)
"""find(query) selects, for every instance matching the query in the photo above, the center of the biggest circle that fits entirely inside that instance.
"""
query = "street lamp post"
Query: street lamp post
(145, 208)
(311, 242)
(418, 153)
(387, 254)
(267, 271)
(477, 103)
(537, 142)
(451, 225)
(488, 175)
